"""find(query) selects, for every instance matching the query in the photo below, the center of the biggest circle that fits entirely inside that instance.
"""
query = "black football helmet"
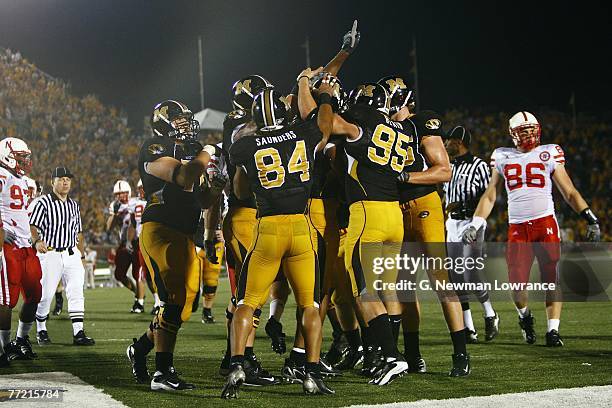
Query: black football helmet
(371, 94)
(337, 96)
(269, 111)
(166, 121)
(399, 92)
(245, 89)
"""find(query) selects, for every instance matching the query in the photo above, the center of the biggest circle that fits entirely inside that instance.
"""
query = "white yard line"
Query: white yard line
(591, 397)
(77, 392)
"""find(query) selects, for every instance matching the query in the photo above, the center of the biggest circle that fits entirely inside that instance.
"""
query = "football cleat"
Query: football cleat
(207, 317)
(372, 361)
(327, 370)
(526, 323)
(12, 352)
(256, 376)
(416, 365)
(154, 310)
(461, 365)
(225, 368)
(553, 339)
(42, 337)
(471, 337)
(139, 364)
(20, 349)
(313, 385)
(169, 381)
(4, 361)
(274, 330)
(390, 371)
(80, 339)
(491, 327)
(292, 373)
(351, 359)
(234, 380)
(137, 308)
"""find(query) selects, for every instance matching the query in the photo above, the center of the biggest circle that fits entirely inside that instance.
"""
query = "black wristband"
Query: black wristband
(588, 215)
(303, 76)
(325, 98)
(35, 242)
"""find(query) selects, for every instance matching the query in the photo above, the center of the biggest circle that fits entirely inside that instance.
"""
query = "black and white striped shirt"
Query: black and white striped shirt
(59, 222)
(470, 178)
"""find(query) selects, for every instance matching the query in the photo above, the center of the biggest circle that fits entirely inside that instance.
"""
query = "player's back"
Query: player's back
(279, 165)
(528, 180)
(376, 157)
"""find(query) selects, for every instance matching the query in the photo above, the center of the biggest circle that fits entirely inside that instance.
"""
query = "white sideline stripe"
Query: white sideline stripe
(592, 397)
(78, 393)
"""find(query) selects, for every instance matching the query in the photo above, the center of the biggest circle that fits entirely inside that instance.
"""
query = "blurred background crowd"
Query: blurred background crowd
(95, 143)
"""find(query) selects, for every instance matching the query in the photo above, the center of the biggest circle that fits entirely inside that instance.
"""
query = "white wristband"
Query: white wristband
(478, 222)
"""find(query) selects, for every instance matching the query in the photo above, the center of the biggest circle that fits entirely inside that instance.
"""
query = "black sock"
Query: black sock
(384, 335)
(396, 321)
(353, 338)
(143, 345)
(58, 297)
(411, 345)
(336, 328)
(459, 341)
(298, 358)
(228, 344)
(313, 368)
(206, 311)
(465, 306)
(249, 353)
(163, 361)
(237, 360)
(365, 338)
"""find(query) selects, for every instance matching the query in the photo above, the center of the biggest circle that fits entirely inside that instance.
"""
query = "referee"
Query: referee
(57, 235)
(469, 179)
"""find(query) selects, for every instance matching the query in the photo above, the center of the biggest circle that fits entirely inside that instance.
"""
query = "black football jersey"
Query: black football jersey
(340, 164)
(233, 120)
(167, 203)
(377, 157)
(279, 166)
(424, 123)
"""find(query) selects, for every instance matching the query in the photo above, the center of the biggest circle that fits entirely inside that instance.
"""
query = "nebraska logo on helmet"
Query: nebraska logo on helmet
(15, 155)
(525, 131)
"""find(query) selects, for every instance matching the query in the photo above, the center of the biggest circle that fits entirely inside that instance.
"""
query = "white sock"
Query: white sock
(553, 324)
(523, 311)
(24, 329)
(467, 320)
(277, 307)
(5, 338)
(156, 300)
(141, 302)
(41, 325)
(488, 309)
(77, 327)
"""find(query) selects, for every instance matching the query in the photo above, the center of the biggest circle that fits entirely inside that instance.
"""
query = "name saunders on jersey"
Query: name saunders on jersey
(264, 140)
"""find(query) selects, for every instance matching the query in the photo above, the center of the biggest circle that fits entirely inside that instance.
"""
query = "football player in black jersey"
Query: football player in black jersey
(171, 164)
(424, 219)
(275, 163)
(377, 149)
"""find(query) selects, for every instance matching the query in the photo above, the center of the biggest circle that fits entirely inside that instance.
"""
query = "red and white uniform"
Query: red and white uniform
(21, 269)
(124, 214)
(136, 208)
(531, 211)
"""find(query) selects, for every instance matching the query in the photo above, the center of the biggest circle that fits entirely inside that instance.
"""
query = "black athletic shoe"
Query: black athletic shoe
(471, 337)
(351, 358)
(372, 362)
(389, 372)
(137, 308)
(336, 352)
(59, 304)
(526, 323)
(234, 380)
(313, 384)
(20, 349)
(292, 373)
(256, 376)
(42, 337)
(225, 368)
(207, 317)
(553, 339)
(154, 310)
(139, 364)
(274, 330)
(461, 365)
(12, 352)
(416, 365)
(491, 327)
(169, 381)
(82, 340)
(4, 361)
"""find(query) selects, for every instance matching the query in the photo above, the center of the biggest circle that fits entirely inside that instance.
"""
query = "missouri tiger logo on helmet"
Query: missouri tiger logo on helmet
(371, 94)
(399, 93)
(175, 120)
(244, 91)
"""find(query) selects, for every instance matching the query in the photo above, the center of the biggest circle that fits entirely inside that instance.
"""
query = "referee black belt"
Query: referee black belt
(70, 250)
(462, 214)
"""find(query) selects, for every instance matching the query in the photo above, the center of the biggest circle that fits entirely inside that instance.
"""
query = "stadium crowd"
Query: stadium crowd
(94, 141)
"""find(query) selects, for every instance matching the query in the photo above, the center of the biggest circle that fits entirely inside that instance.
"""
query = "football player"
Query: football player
(528, 171)
(170, 164)
(275, 164)
(20, 269)
(424, 221)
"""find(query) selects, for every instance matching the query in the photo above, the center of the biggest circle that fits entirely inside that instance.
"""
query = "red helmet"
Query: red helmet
(525, 131)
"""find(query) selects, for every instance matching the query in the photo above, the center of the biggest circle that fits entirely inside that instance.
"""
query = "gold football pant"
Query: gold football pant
(173, 264)
(322, 215)
(342, 287)
(375, 233)
(210, 271)
(280, 240)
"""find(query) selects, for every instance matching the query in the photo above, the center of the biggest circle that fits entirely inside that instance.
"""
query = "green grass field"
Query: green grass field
(506, 365)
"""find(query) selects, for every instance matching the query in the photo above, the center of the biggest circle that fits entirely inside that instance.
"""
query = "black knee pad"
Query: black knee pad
(256, 316)
(207, 290)
(169, 319)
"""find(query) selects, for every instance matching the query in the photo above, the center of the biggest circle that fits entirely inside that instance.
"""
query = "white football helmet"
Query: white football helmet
(15, 155)
(140, 189)
(122, 191)
(525, 130)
